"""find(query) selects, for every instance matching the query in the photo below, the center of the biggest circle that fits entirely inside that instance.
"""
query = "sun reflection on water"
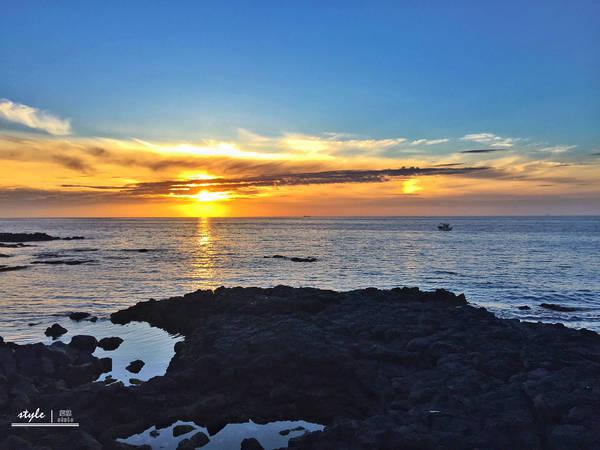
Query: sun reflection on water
(203, 264)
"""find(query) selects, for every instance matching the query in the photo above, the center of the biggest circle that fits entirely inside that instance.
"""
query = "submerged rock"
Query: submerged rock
(290, 430)
(293, 258)
(55, 331)
(110, 343)
(559, 308)
(524, 308)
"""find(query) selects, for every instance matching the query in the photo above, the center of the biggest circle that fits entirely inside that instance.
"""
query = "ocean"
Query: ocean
(499, 263)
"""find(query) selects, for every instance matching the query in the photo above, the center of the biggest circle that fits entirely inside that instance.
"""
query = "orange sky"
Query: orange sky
(289, 174)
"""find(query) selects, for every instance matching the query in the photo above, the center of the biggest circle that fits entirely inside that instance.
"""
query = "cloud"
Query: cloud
(429, 141)
(484, 150)
(249, 186)
(34, 118)
(73, 163)
(557, 149)
(490, 139)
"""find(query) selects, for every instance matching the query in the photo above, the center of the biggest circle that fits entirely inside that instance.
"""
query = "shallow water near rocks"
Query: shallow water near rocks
(229, 438)
(152, 345)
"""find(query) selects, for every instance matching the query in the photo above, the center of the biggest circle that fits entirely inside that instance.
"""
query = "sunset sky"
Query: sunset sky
(152, 108)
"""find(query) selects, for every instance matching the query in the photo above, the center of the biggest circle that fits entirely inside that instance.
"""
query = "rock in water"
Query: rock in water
(178, 430)
(110, 343)
(559, 308)
(251, 444)
(197, 440)
(26, 237)
(84, 342)
(135, 366)
(55, 331)
(77, 315)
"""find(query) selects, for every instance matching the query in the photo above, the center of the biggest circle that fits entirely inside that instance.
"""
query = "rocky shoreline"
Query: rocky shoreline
(380, 369)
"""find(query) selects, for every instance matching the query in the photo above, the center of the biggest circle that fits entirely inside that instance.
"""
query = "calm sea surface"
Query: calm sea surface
(500, 262)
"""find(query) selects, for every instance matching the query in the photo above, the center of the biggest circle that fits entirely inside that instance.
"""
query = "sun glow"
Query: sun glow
(207, 196)
(411, 186)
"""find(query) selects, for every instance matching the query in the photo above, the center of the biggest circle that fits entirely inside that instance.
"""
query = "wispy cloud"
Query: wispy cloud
(490, 139)
(429, 141)
(34, 118)
(555, 149)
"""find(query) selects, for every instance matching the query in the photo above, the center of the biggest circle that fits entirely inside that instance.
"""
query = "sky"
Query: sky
(258, 108)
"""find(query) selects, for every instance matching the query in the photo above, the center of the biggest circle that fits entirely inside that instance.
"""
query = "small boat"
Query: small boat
(444, 227)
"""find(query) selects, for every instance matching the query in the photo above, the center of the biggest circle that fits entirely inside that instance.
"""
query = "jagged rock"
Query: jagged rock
(84, 342)
(389, 369)
(55, 331)
(135, 366)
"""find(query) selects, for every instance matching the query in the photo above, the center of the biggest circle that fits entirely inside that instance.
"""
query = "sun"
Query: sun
(207, 196)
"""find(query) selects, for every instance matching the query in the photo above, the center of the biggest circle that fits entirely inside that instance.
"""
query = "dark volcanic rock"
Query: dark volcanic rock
(26, 237)
(182, 429)
(135, 366)
(83, 342)
(251, 444)
(55, 331)
(197, 440)
(78, 315)
(110, 343)
(524, 308)
(380, 369)
(11, 268)
(555, 307)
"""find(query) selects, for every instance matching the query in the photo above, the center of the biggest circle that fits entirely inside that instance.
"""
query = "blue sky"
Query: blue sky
(185, 70)
(116, 102)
